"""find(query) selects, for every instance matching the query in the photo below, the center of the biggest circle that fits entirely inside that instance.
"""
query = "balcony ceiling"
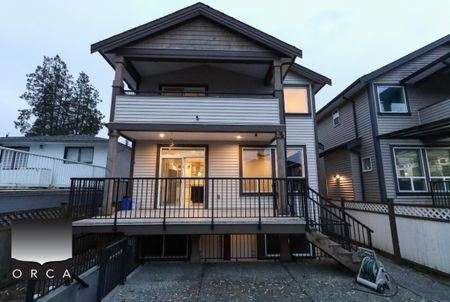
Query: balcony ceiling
(198, 136)
(148, 68)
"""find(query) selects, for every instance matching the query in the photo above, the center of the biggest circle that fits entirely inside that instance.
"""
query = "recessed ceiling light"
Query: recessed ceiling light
(238, 137)
(162, 135)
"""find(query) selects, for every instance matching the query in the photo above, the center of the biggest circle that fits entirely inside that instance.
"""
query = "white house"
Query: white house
(41, 161)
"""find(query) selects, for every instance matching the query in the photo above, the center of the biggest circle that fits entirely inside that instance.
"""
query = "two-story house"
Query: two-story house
(387, 135)
(222, 122)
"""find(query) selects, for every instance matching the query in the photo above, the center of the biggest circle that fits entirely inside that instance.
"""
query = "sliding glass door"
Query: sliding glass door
(182, 170)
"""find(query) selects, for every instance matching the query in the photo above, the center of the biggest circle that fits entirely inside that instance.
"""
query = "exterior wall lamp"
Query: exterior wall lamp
(337, 177)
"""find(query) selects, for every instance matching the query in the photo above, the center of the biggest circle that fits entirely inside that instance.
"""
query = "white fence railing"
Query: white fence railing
(21, 169)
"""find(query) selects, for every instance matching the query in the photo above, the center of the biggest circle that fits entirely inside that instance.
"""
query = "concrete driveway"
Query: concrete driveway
(307, 280)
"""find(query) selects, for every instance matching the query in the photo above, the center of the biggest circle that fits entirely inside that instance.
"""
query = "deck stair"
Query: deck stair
(332, 230)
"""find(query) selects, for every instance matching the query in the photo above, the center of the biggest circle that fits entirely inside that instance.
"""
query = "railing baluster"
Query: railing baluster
(212, 204)
(259, 204)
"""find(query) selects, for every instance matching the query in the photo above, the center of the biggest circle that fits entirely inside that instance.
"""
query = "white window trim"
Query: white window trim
(362, 164)
(338, 118)
(378, 86)
(411, 178)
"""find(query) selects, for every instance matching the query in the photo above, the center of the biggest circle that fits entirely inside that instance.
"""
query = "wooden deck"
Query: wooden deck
(188, 221)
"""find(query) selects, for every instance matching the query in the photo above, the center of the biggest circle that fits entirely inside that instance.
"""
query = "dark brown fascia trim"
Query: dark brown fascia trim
(426, 67)
(184, 54)
(310, 74)
(196, 127)
(191, 12)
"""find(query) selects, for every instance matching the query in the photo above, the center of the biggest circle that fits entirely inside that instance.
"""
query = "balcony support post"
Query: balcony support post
(111, 171)
(117, 85)
(280, 139)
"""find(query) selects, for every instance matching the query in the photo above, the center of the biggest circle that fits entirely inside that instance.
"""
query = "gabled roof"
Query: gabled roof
(196, 10)
(309, 74)
(360, 82)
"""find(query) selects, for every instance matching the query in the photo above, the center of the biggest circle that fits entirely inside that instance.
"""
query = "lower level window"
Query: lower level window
(256, 163)
(80, 154)
(410, 170)
(295, 162)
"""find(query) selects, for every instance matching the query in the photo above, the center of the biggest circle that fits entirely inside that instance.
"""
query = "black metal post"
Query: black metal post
(259, 204)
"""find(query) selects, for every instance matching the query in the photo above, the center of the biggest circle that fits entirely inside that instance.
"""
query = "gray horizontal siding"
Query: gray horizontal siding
(339, 162)
(294, 79)
(300, 131)
(418, 95)
(370, 179)
(405, 70)
(331, 136)
(435, 112)
(184, 110)
(199, 34)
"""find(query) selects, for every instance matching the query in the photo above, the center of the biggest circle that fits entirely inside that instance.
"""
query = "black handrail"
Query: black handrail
(206, 93)
(353, 232)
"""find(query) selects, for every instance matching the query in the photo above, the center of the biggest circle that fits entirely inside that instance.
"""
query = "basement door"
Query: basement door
(182, 172)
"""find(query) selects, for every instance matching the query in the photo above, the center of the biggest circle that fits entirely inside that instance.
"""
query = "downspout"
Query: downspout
(361, 174)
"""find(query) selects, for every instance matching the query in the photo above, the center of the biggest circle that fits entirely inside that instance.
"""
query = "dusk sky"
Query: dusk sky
(342, 40)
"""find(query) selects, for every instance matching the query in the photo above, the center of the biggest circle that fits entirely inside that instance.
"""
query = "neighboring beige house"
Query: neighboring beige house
(387, 135)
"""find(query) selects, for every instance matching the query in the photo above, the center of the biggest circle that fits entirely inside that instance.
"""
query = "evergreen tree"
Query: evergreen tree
(85, 118)
(57, 105)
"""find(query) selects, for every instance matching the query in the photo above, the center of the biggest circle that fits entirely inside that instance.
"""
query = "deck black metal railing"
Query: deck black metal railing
(116, 260)
(184, 198)
(440, 193)
(335, 222)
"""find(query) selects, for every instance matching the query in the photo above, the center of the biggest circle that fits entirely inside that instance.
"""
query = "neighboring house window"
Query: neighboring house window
(296, 100)
(410, 170)
(392, 99)
(11, 160)
(257, 162)
(183, 90)
(366, 164)
(438, 163)
(336, 119)
(80, 154)
(295, 162)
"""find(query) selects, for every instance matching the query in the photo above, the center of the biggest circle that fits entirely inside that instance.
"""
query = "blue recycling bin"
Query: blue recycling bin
(127, 203)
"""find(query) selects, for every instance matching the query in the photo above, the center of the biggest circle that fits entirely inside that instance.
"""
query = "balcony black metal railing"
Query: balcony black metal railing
(185, 198)
(440, 193)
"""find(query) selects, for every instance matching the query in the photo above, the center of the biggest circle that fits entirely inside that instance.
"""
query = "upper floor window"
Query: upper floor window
(183, 90)
(80, 154)
(296, 100)
(392, 99)
(336, 119)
